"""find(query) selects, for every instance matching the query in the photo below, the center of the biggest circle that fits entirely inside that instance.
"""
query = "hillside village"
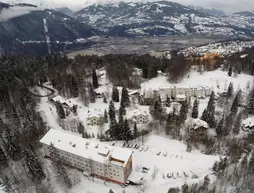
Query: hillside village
(129, 123)
(92, 121)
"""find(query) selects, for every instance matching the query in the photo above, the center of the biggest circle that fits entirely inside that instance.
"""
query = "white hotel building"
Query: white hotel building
(95, 159)
(186, 91)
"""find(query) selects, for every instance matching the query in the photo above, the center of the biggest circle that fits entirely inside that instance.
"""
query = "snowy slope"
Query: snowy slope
(162, 18)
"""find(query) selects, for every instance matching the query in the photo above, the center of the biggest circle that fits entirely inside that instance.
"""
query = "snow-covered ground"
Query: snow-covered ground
(171, 168)
(217, 80)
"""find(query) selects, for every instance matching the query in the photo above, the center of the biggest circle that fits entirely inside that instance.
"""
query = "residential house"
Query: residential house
(94, 117)
(197, 127)
(140, 117)
(248, 124)
(68, 103)
(95, 159)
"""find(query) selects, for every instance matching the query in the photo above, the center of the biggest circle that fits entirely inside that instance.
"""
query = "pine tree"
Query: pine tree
(204, 115)
(105, 116)
(125, 100)
(58, 166)
(3, 159)
(237, 124)
(6, 184)
(135, 131)
(219, 128)
(152, 71)
(81, 128)
(91, 94)
(157, 109)
(112, 111)
(195, 109)
(115, 94)
(251, 162)
(12, 145)
(33, 165)
(209, 115)
(114, 130)
(127, 131)
(185, 188)
(230, 71)
(230, 90)
(105, 99)
(168, 101)
(169, 127)
(183, 112)
(60, 110)
(234, 107)
(251, 103)
(74, 87)
(95, 80)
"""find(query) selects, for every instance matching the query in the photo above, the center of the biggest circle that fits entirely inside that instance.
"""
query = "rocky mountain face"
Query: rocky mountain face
(36, 31)
(66, 11)
(161, 18)
(212, 11)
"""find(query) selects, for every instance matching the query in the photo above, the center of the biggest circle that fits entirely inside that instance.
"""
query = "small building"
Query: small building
(69, 103)
(248, 124)
(197, 127)
(140, 117)
(92, 158)
(95, 117)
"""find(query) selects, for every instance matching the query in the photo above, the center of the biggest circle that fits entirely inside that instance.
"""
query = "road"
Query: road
(52, 91)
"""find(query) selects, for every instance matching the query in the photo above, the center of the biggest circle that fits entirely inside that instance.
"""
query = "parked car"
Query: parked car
(165, 153)
(159, 153)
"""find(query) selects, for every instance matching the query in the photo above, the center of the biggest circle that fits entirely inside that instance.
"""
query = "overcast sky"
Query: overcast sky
(228, 6)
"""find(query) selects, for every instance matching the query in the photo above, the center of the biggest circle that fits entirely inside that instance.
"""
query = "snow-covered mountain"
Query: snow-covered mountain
(210, 11)
(160, 18)
(66, 11)
(29, 29)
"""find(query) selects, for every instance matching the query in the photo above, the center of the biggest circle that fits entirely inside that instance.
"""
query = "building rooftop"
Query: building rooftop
(249, 122)
(85, 148)
(69, 102)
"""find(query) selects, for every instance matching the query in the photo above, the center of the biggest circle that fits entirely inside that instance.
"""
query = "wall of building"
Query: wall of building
(105, 170)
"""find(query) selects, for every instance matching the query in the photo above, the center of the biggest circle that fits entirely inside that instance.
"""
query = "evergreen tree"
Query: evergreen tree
(112, 111)
(183, 112)
(33, 166)
(6, 184)
(60, 110)
(185, 188)
(195, 109)
(219, 128)
(12, 145)
(169, 127)
(74, 87)
(81, 128)
(95, 80)
(114, 130)
(91, 94)
(105, 99)
(135, 131)
(157, 110)
(230, 71)
(127, 131)
(234, 107)
(58, 166)
(204, 115)
(125, 100)
(168, 101)
(105, 116)
(152, 71)
(115, 94)
(251, 103)
(209, 115)
(230, 90)
(3, 159)
(237, 124)
(251, 162)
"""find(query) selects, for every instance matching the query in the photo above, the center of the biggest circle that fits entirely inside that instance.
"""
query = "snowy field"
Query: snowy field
(217, 80)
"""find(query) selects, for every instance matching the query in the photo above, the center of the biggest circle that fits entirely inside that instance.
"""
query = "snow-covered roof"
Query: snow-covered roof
(94, 113)
(249, 122)
(180, 96)
(197, 123)
(135, 177)
(243, 56)
(85, 148)
(69, 102)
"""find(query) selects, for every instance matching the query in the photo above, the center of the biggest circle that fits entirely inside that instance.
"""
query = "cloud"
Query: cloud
(13, 12)
(229, 6)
